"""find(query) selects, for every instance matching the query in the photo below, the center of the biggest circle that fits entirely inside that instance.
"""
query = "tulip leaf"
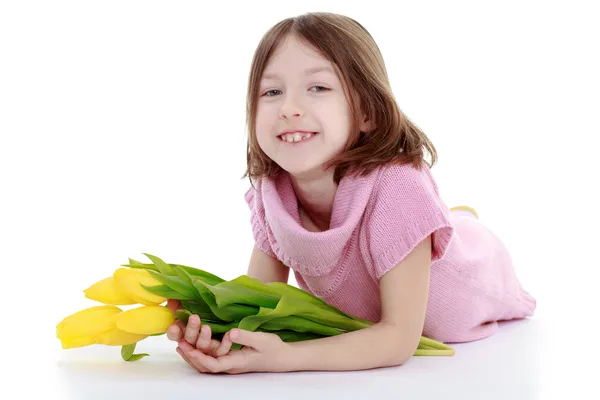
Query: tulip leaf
(127, 353)
(231, 292)
(183, 315)
(162, 266)
(292, 336)
(201, 309)
(299, 324)
(292, 306)
(258, 285)
(164, 291)
(229, 313)
(177, 284)
(198, 273)
(293, 292)
(135, 357)
(183, 274)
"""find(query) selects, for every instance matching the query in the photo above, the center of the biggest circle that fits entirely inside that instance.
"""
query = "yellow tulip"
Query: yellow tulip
(147, 320)
(94, 325)
(108, 292)
(130, 280)
(117, 337)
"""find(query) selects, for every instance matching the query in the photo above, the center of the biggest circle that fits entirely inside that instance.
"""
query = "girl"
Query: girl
(341, 195)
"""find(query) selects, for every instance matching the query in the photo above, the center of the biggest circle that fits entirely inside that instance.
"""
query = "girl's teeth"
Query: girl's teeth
(296, 136)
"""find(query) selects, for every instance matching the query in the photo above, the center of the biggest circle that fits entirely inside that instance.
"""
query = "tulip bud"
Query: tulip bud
(146, 320)
(94, 325)
(130, 281)
(108, 292)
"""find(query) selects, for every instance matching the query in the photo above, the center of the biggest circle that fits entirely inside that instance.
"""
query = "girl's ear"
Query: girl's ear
(366, 125)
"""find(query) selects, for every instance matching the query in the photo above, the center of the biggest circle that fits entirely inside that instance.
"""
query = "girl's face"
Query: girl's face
(303, 118)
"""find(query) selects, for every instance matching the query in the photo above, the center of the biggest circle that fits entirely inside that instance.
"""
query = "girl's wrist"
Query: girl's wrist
(288, 359)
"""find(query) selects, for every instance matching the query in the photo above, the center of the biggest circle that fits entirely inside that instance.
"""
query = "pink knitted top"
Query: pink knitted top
(376, 221)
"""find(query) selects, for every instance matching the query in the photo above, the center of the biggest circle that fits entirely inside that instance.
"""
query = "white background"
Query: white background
(122, 132)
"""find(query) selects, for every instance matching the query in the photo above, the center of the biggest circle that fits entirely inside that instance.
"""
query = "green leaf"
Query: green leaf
(198, 273)
(201, 309)
(299, 324)
(127, 353)
(232, 292)
(162, 266)
(183, 315)
(136, 264)
(229, 313)
(292, 336)
(216, 327)
(177, 284)
(164, 291)
(258, 285)
(136, 357)
(296, 293)
(290, 306)
(182, 273)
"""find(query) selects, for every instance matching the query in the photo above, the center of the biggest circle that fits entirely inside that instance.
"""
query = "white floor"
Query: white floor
(505, 366)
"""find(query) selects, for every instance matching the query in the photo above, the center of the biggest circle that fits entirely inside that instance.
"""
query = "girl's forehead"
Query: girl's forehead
(296, 57)
(318, 68)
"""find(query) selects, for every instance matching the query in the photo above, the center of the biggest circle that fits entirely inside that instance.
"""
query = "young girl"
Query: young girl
(343, 197)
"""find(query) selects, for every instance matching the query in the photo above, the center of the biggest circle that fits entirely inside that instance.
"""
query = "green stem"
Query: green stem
(427, 352)
(434, 343)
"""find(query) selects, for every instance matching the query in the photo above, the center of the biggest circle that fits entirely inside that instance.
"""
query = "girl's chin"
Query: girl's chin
(304, 172)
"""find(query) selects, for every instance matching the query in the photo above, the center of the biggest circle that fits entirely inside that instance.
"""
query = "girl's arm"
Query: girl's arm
(390, 342)
(266, 268)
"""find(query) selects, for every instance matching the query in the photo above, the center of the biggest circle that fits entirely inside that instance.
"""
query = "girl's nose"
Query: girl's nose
(290, 109)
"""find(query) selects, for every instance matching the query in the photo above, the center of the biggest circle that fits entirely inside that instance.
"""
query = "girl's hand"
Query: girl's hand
(262, 352)
(199, 338)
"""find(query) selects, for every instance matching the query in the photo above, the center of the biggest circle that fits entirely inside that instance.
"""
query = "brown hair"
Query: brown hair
(360, 66)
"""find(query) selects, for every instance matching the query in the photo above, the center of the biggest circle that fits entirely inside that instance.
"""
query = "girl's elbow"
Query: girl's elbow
(403, 345)
(404, 351)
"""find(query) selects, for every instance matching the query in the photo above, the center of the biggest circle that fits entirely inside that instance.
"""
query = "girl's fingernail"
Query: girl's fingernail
(234, 334)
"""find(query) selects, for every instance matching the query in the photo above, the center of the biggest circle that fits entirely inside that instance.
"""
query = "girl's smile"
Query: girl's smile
(296, 137)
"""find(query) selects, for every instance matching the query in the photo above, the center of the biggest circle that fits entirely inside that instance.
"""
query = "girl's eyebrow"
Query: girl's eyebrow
(307, 72)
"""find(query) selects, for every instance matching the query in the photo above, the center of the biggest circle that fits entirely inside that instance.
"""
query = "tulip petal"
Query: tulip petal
(116, 337)
(146, 320)
(87, 322)
(130, 280)
(78, 342)
(108, 292)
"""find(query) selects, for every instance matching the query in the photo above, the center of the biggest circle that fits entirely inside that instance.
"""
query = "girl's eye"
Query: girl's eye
(320, 88)
(271, 92)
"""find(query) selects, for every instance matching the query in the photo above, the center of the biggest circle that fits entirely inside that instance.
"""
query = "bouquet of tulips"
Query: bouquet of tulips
(244, 302)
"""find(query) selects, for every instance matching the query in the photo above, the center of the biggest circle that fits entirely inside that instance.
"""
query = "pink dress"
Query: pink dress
(376, 221)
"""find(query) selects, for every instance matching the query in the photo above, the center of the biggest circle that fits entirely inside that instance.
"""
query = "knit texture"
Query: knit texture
(376, 221)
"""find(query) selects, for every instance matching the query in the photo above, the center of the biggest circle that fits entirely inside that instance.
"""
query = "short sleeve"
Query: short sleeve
(406, 208)
(258, 222)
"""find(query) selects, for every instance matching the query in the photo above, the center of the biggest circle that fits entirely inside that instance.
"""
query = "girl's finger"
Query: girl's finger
(192, 329)
(190, 363)
(173, 305)
(203, 343)
(214, 345)
(175, 333)
(224, 347)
